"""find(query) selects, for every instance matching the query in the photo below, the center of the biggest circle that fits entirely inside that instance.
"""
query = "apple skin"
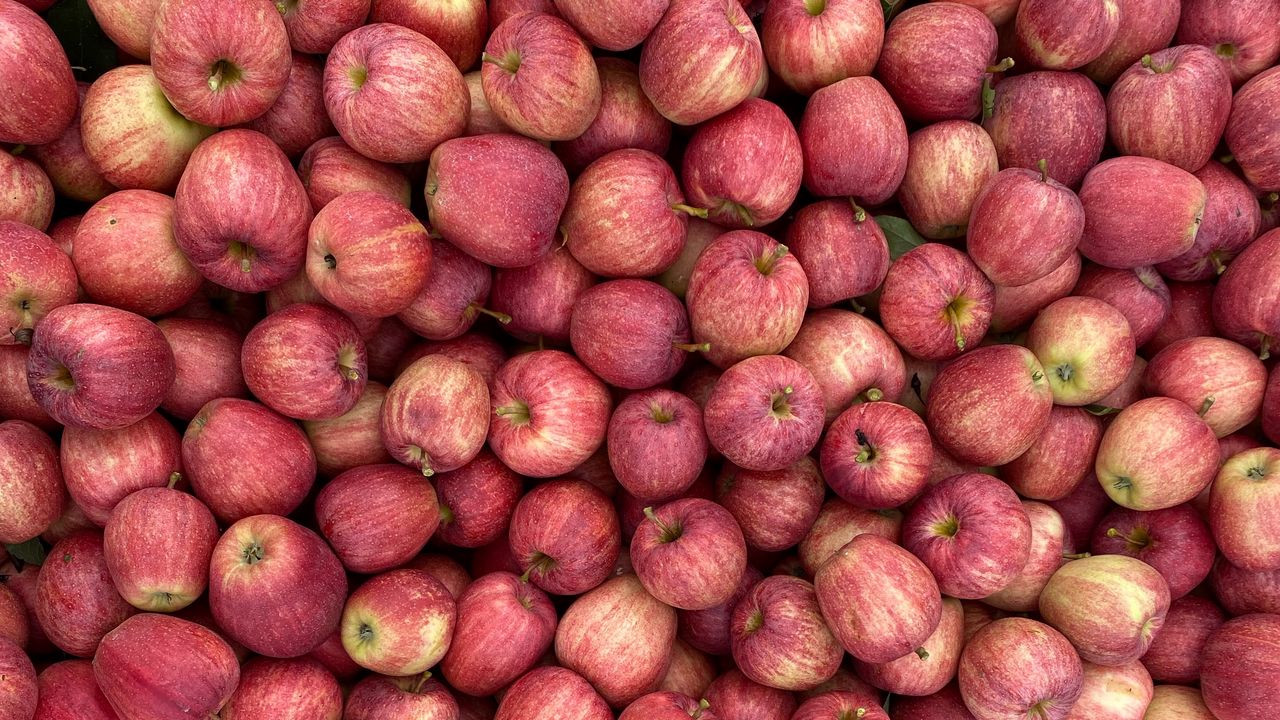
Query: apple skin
(837, 523)
(656, 444)
(207, 360)
(314, 26)
(1174, 541)
(163, 667)
(1125, 227)
(133, 135)
(16, 401)
(826, 136)
(1109, 606)
(1155, 454)
(381, 80)
(764, 413)
(667, 705)
(306, 361)
(1177, 702)
(294, 689)
(24, 583)
(1138, 103)
(1085, 346)
(222, 64)
(1140, 294)
(1225, 376)
(504, 625)
(539, 77)
(1245, 591)
(1238, 679)
(157, 546)
(1048, 39)
(1245, 299)
(851, 358)
(633, 333)
(13, 617)
(353, 439)
(809, 50)
(626, 119)
(43, 88)
(1058, 461)
(1271, 408)
(473, 181)
(1242, 496)
(690, 671)
(1175, 653)
(614, 25)
(701, 59)
(959, 150)
(1048, 543)
(774, 509)
(399, 623)
(1023, 226)
(476, 501)
(377, 517)
(735, 697)
(738, 273)
(435, 391)
(1242, 35)
(842, 251)
(552, 693)
(946, 704)
(38, 279)
(127, 256)
(564, 535)
(911, 675)
(1145, 27)
(1058, 117)
(1232, 219)
(744, 166)
(1119, 692)
(378, 697)
(29, 470)
(935, 302)
(93, 366)
(990, 405)
(76, 604)
(298, 117)
(1250, 130)
(1043, 678)
(878, 599)
(1013, 307)
(68, 691)
(876, 455)
(549, 413)
(330, 168)
(27, 192)
(689, 553)
(457, 27)
(935, 60)
(67, 164)
(453, 296)
(540, 298)
(242, 213)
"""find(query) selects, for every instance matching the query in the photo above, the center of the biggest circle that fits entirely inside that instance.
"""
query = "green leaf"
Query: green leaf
(31, 552)
(891, 8)
(900, 235)
(1101, 410)
(90, 51)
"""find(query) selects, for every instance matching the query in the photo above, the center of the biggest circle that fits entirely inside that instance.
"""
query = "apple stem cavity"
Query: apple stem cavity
(766, 263)
(420, 457)
(660, 415)
(690, 210)
(867, 453)
(692, 347)
(922, 653)
(1226, 51)
(778, 405)
(539, 561)
(954, 309)
(223, 73)
(754, 622)
(666, 533)
(509, 62)
(948, 527)
(517, 413)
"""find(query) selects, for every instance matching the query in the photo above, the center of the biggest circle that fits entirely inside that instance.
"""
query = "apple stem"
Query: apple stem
(510, 62)
(766, 264)
(954, 317)
(1265, 352)
(922, 653)
(564, 236)
(860, 713)
(1075, 556)
(690, 210)
(501, 317)
(1003, 66)
(1204, 406)
(23, 336)
(1227, 159)
(1135, 540)
(422, 680)
(17, 150)
(518, 413)
(1149, 64)
(859, 215)
(1219, 267)
(666, 533)
(1043, 166)
(174, 479)
(988, 98)
(873, 394)
(1100, 410)
(867, 452)
(692, 347)
(857, 306)
(703, 704)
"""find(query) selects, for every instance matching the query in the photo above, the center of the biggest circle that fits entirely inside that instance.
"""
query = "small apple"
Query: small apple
(1242, 496)
(1058, 118)
(826, 136)
(689, 553)
(399, 623)
(504, 625)
(851, 357)
(330, 168)
(1017, 667)
(433, 393)
(764, 413)
(935, 302)
(477, 501)
(842, 250)
(157, 546)
(29, 470)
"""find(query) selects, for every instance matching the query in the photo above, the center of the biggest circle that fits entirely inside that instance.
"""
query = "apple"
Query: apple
(1017, 667)
(29, 471)
(1239, 674)
(457, 27)
(837, 523)
(689, 554)
(1048, 542)
(1174, 541)
(293, 689)
(207, 361)
(1175, 653)
(616, 636)
(27, 193)
(305, 361)
(916, 674)
(68, 691)
(1140, 294)
(13, 618)
(773, 509)
(564, 536)
(552, 693)
(549, 413)
(1022, 226)
(936, 59)
(634, 334)
(453, 296)
(1245, 591)
(38, 279)
(779, 638)
(1177, 702)
(158, 666)
(1119, 692)
(1139, 103)
(627, 119)
(656, 444)
(959, 150)
(666, 705)
(851, 357)
(709, 630)
(877, 455)
(157, 546)
(399, 623)
(1013, 307)
(1250, 135)
(615, 25)
(1048, 39)
(1271, 408)
(1241, 497)
(1126, 227)
(1057, 117)
(1145, 27)
(1155, 454)
(504, 625)
(432, 391)
(1058, 461)
(1243, 303)
(221, 64)
(238, 310)
(701, 59)
(269, 566)
(810, 45)
(353, 439)
(16, 401)
(842, 251)
(474, 181)
(764, 413)
(75, 602)
(826, 136)
(733, 695)
(298, 117)
(539, 298)
(377, 517)
(386, 347)
(1085, 346)
(476, 501)
(989, 406)
(1232, 219)
(315, 26)
(839, 704)
(1242, 34)
(1222, 380)
(378, 697)
(23, 582)
(946, 704)
(736, 275)
(1129, 391)
(68, 166)
(42, 86)
(626, 215)
(935, 302)
(1109, 606)
(690, 671)
(330, 168)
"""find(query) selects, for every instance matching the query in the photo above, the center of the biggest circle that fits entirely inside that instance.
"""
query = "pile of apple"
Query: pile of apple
(648, 359)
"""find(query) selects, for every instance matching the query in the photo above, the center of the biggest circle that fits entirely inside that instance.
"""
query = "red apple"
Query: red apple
(850, 357)
(689, 672)
(1085, 346)
(842, 251)
(779, 636)
(1056, 117)
(1174, 541)
(42, 88)
(13, 617)
(1245, 591)
(448, 571)
(353, 439)
(207, 358)
(26, 193)
(735, 697)
(812, 45)
(666, 705)
(936, 59)
(690, 553)
(476, 501)
(1239, 677)
(1220, 379)
(626, 119)
(837, 523)
(1018, 667)
(1120, 692)
(709, 630)
(1145, 27)
(1155, 454)
(1048, 536)
(399, 623)
(435, 389)
(839, 704)
(774, 509)
(457, 27)
(68, 166)
(157, 546)
(316, 25)
(935, 302)
(1140, 294)
(876, 455)
(1125, 226)
(24, 583)
(1109, 606)
(377, 517)
(962, 152)
(1058, 461)
(764, 413)
(418, 697)
(75, 601)
(1232, 219)
(504, 625)
(927, 672)
(16, 401)
(1250, 131)
(634, 334)
(552, 693)
(38, 279)
(1244, 303)
(656, 444)
(1242, 34)
(1023, 226)
(540, 298)
(305, 361)
(298, 117)
(330, 168)
(68, 691)
(1060, 36)
(297, 689)
(615, 25)
(1243, 496)
(564, 536)
(31, 478)
(826, 136)
(1175, 655)
(453, 296)
(1013, 307)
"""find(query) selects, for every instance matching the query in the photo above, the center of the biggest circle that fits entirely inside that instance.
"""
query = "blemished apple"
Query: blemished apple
(959, 150)
(157, 546)
(701, 59)
(1176, 654)
(826, 135)
(29, 470)
(459, 28)
(1175, 541)
(1022, 226)
(42, 86)
(399, 623)
(545, 693)
(539, 77)
(504, 625)
(292, 689)
(779, 637)
(497, 197)
(565, 537)
(988, 406)
(627, 119)
(774, 509)
(548, 413)
(878, 599)
(1059, 118)
(689, 553)
(1017, 667)
(738, 275)
(1222, 380)
(764, 413)
(298, 117)
(1127, 227)
(436, 391)
(154, 665)
(811, 45)
(1155, 454)
(330, 168)
(877, 455)
(394, 95)
(75, 602)
(656, 444)
(270, 566)
(935, 302)
(1239, 677)
(306, 361)
(1085, 346)
(935, 60)
(95, 366)
(476, 501)
(1109, 606)
(1242, 497)
(1251, 133)
(1145, 26)
(1059, 459)
(314, 26)
(1065, 36)
(842, 250)
(1232, 219)
(377, 517)
(1244, 299)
